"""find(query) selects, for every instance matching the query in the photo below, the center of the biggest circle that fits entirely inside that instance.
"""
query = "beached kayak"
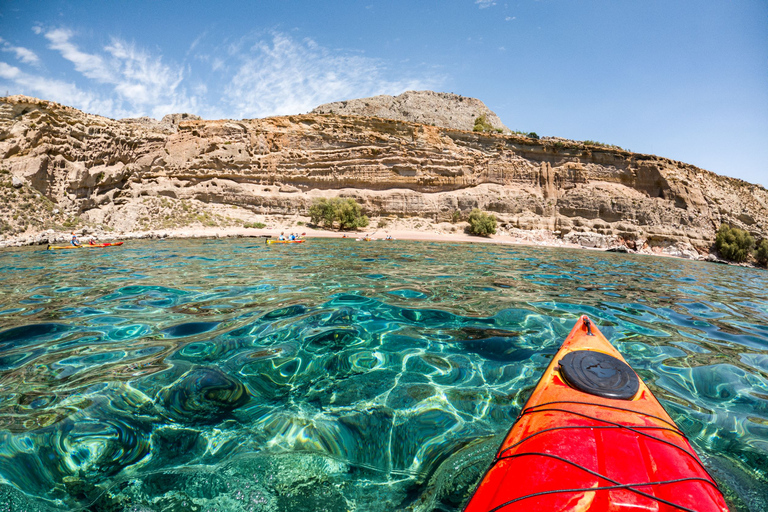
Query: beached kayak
(84, 246)
(592, 437)
(285, 241)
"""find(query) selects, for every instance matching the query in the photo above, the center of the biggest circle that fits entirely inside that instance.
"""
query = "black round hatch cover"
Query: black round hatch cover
(599, 374)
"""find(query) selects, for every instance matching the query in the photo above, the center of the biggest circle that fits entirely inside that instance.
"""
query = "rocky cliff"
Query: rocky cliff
(62, 167)
(424, 107)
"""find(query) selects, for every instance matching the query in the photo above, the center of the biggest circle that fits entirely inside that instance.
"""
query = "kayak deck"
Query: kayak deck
(579, 451)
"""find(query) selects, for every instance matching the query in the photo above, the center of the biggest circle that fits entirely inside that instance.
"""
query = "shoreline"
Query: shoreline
(442, 232)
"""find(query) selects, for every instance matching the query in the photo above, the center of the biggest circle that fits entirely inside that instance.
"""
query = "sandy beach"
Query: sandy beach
(378, 229)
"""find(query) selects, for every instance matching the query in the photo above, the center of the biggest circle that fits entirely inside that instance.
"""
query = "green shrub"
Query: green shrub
(350, 215)
(733, 243)
(456, 217)
(482, 125)
(533, 135)
(761, 254)
(481, 223)
(257, 225)
(346, 212)
(322, 212)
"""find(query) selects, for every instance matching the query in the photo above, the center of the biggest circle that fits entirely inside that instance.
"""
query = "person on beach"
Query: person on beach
(75, 241)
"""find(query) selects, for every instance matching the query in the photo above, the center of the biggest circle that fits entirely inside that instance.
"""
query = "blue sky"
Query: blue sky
(683, 79)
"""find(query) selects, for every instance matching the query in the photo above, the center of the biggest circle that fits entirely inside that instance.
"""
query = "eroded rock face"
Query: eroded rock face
(104, 170)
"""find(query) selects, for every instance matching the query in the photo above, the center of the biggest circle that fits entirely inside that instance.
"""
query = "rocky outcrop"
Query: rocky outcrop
(442, 109)
(131, 174)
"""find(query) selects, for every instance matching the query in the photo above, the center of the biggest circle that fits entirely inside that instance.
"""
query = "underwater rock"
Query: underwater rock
(406, 396)
(103, 447)
(497, 348)
(203, 395)
(176, 446)
(454, 478)
(325, 497)
(333, 340)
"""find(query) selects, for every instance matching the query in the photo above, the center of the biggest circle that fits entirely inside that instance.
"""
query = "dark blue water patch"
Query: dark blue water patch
(189, 329)
(34, 333)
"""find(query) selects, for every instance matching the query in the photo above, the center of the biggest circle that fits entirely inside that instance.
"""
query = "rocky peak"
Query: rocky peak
(443, 109)
(168, 124)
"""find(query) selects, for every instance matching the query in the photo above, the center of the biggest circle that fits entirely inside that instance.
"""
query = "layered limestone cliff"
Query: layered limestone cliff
(61, 166)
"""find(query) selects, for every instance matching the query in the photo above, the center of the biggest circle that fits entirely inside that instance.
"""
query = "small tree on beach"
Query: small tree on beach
(346, 212)
(761, 254)
(481, 223)
(350, 215)
(322, 212)
(733, 243)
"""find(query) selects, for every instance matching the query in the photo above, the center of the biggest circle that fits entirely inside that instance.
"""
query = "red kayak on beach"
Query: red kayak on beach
(592, 437)
(84, 246)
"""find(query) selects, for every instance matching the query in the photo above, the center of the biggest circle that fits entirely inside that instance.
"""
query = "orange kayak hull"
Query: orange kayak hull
(575, 450)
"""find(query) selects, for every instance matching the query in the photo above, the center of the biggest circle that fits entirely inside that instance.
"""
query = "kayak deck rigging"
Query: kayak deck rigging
(601, 444)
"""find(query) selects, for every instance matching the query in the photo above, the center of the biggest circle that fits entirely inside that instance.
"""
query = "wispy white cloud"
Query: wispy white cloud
(59, 91)
(90, 65)
(25, 55)
(253, 76)
(280, 75)
(484, 4)
(136, 77)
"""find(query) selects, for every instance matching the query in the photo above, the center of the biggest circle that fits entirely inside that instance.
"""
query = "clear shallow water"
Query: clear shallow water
(341, 375)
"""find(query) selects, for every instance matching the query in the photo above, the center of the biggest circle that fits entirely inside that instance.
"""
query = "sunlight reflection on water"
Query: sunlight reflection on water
(336, 375)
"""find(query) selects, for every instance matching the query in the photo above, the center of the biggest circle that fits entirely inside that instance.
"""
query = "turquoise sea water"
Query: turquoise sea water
(339, 375)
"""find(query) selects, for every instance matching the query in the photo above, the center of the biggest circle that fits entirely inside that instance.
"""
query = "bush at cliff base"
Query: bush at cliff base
(733, 243)
(761, 254)
(346, 212)
(481, 223)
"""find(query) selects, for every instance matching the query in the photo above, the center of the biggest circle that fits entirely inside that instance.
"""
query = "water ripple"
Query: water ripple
(246, 377)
